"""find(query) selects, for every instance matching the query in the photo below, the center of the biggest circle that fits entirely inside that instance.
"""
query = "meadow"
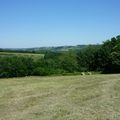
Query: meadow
(87, 97)
(31, 55)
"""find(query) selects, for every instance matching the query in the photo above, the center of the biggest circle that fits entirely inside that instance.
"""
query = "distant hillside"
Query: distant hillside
(57, 49)
(44, 49)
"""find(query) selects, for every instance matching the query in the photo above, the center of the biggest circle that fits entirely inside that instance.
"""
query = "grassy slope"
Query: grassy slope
(95, 97)
(34, 56)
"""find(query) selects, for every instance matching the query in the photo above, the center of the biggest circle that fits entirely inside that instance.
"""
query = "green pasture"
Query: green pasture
(32, 55)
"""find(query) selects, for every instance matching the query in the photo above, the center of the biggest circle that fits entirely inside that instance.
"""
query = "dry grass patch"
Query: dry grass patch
(94, 97)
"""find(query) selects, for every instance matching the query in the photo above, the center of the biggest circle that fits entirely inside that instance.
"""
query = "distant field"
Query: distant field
(33, 55)
(93, 97)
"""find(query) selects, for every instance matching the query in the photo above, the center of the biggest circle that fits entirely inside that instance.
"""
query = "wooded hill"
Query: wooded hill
(44, 49)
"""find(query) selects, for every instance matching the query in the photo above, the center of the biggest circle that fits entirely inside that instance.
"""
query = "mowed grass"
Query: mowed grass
(32, 55)
(92, 97)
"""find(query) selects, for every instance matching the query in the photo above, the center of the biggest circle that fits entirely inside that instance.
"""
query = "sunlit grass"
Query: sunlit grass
(89, 97)
(32, 55)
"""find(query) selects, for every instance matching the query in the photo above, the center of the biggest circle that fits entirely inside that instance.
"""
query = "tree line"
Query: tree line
(104, 58)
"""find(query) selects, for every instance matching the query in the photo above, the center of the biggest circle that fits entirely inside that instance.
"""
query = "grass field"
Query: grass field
(92, 97)
(32, 55)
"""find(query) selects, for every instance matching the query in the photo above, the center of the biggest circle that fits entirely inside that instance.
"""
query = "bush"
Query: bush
(15, 66)
(41, 71)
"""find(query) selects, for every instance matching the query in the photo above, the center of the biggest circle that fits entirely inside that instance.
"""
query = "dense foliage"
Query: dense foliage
(108, 57)
(15, 66)
(104, 58)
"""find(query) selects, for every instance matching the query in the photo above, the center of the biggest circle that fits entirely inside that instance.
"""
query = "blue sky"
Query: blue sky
(36, 23)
